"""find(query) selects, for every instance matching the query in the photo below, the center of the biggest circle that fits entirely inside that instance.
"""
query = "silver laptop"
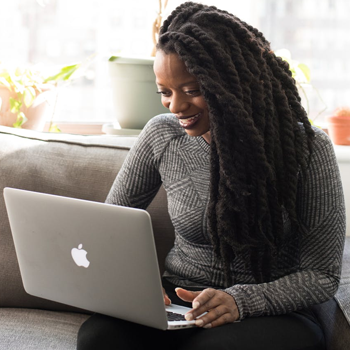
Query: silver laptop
(90, 255)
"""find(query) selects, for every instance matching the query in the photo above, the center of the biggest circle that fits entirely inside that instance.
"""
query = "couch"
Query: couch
(85, 167)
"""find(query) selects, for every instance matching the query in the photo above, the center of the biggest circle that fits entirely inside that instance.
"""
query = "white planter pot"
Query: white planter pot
(134, 91)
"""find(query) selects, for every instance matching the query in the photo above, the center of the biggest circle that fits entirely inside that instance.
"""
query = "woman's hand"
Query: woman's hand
(167, 300)
(219, 306)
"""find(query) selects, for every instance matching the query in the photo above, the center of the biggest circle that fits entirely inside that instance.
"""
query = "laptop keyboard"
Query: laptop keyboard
(175, 317)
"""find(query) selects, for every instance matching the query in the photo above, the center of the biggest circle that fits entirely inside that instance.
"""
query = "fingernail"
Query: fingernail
(195, 305)
(199, 323)
(207, 326)
(189, 317)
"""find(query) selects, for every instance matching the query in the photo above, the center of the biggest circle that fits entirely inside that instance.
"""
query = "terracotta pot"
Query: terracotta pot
(36, 114)
(339, 129)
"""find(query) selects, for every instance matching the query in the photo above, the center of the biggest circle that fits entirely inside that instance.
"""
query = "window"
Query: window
(61, 32)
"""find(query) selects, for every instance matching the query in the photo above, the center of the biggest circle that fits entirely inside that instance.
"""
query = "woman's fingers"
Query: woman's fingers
(211, 308)
(167, 300)
(186, 295)
(217, 317)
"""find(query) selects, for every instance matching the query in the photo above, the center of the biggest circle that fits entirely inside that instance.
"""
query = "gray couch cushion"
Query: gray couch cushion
(25, 329)
(68, 165)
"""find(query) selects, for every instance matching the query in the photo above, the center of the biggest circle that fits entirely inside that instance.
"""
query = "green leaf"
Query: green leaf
(305, 70)
(15, 83)
(15, 105)
(64, 74)
(29, 96)
(113, 58)
(3, 81)
(19, 71)
(21, 119)
(54, 128)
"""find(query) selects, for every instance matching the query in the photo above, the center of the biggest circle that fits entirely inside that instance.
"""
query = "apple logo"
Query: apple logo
(79, 256)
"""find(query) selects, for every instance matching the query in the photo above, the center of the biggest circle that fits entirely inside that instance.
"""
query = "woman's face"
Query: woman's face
(180, 93)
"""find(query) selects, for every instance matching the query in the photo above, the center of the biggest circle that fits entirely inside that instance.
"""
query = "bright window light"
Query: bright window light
(61, 32)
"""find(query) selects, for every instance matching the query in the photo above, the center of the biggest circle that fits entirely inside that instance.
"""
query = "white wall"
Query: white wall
(343, 157)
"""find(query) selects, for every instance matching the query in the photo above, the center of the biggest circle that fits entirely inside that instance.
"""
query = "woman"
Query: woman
(253, 192)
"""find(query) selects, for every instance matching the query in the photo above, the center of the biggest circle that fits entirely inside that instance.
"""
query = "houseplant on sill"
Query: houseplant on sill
(339, 126)
(134, 89)
(27, 97)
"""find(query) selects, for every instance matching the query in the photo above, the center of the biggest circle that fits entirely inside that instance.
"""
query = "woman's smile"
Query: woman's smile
(189, 122)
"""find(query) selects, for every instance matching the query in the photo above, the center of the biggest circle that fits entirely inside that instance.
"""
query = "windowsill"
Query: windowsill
(78, 128)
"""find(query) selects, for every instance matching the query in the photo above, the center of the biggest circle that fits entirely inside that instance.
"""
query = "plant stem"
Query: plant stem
(54, 107)
(156, 25)
(322, 100)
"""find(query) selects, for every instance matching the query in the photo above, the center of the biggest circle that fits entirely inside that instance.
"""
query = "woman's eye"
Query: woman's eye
(193, 92)
(163, 93)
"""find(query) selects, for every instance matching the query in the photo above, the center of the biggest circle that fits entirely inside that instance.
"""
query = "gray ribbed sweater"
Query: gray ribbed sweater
(165, 154)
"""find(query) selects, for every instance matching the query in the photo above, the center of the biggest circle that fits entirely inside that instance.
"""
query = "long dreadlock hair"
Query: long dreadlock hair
(257, 144)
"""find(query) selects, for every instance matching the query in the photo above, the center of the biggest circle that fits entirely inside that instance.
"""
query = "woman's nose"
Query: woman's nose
(177, 104)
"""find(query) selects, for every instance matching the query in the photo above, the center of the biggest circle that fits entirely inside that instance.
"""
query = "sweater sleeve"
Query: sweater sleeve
(138, 180)
(322, 216)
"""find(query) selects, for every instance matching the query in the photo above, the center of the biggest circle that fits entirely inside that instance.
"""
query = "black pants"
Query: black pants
(295, 331)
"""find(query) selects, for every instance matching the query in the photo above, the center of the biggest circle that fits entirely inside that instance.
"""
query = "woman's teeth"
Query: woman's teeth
(188, 121)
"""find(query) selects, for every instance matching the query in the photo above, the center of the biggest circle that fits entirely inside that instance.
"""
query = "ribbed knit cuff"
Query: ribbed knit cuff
(248, 301)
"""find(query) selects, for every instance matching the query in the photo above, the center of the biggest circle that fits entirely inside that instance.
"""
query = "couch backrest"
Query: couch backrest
(68, 165)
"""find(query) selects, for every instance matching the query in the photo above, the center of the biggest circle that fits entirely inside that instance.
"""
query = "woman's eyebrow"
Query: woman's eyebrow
(189, 83)
(183, 84)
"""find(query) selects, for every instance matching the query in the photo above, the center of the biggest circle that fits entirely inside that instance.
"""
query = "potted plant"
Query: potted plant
(134, 76)
(339, 126)
(26, 95)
